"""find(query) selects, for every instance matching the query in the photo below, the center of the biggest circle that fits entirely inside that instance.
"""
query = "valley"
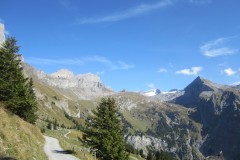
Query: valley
(196, 123)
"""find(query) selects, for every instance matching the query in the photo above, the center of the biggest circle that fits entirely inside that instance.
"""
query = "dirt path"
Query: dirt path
(54, 151)
(65, 135)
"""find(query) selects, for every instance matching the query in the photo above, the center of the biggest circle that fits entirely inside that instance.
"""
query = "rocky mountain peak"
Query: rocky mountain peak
(81, 86)
(62, 73)
(199, 85)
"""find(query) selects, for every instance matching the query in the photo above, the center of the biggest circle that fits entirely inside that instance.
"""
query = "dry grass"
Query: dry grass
(19, 139)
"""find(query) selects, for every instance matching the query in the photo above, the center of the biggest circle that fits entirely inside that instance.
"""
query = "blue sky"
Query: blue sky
(134, 45)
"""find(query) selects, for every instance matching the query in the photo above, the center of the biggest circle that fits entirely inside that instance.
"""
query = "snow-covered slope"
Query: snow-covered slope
(170, 95)
(151, 92)
(163, 95)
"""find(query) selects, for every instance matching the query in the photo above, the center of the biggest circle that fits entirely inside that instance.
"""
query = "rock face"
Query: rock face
(2, 35)
(81, 86)
(142, 142)
(66, 79)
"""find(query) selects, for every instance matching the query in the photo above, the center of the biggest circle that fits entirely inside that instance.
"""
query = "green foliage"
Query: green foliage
(103, 132)
(150, 156)
(16, 91)
(49, 125)
(43, 130)
(77, 125)
(161, 155)
(141, 153)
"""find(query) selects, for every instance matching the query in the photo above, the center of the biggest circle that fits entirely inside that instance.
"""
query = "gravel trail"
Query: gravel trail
(54, 151)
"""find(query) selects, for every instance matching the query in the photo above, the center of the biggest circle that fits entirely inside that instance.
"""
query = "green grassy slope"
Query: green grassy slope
(20, 139)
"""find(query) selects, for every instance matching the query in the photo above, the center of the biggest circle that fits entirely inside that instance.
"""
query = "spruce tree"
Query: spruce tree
(150, 156)
(103, 132)
(16, 91)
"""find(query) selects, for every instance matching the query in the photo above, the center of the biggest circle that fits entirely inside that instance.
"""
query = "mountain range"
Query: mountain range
(200, 121)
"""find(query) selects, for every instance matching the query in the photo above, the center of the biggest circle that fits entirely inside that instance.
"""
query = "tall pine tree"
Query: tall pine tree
(16, 91)
(103, 132)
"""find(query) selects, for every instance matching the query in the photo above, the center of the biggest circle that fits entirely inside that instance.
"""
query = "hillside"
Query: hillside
(152, 124)
(218, 109)
(19, 139)
(196, 123)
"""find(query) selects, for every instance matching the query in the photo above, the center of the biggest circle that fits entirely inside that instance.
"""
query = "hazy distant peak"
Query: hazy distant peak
(62, 73)
(88, 76)
(151, 92)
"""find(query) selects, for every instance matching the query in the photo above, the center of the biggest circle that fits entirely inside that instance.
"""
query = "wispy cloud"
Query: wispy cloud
(123, 65)
(229, 71)
(68, 4)
(191, 71)
(162, 70)
(200, 1)
(133, 12)
(100, 73)
(81, 61)
(1, 20)
(236, 83)
(151, 85)
(217, 48)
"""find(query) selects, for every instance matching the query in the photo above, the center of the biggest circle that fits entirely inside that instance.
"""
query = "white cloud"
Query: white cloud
(229, 71)
(236, 83)
(100, 73)
(151, 85)
(162, 70)
(133, 12)
(216, 48)
(81, 61)
(123, 65)
(192, 71)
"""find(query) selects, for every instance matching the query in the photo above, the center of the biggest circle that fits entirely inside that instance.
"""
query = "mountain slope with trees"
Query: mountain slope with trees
(16, 91)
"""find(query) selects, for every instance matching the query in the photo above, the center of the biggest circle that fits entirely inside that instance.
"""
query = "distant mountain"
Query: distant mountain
(81, 86)
(163, 96)
(151, 92)
(218, 110)
(200, 87)
(170, 95)
(237, 87)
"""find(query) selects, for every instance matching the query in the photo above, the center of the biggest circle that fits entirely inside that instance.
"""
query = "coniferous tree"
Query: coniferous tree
(103, 132)
(16, 91)
(150, 156)
(161, 155)
(141, 153)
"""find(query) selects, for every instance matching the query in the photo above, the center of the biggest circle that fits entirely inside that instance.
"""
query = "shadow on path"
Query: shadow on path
(63, 151)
